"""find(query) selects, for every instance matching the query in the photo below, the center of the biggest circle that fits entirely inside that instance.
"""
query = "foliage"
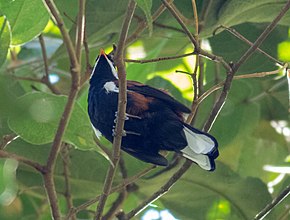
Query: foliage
(244, 128)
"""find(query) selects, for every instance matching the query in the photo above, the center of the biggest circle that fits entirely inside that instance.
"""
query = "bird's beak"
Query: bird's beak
(102, 52)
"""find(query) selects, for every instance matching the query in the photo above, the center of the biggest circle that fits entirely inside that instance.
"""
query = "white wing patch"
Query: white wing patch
(199, 143)
(111, 87)
(97, 132)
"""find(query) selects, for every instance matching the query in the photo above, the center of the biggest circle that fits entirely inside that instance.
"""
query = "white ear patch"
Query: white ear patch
(111, 87)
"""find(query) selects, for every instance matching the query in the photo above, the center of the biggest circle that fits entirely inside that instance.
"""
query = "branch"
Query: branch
(197, 49)
(159, 58)
(38, 167)
(241, 37)
(144, 25)
(66, 173)
(118, 188)
(122, 100)
(80, 30)
(261, 215)
(230, 75)
(75, 73)
(7, 139)
(180, 21)
(66, 38)
(164, 189)
(45, 78)
(263, 36)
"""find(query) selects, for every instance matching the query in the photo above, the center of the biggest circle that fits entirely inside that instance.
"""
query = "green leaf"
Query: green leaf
(39, 117)
(4, 39)
(198, 191)
(146, 6)
(85, 183)
(27, 18)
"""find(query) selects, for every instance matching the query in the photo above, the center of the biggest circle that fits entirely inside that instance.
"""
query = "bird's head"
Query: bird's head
(104, 68)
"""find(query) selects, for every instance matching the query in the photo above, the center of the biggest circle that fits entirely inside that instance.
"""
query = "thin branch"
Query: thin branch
(143, 25)
(230, 75)
(116, 205)
(262, 37)
(197, 49)
(66, 173)
(180, 21)
(66, 38)
(244, 76)
(159, 58)
(118, 188)
(241, 37)
(38, 167)
(7, 139)
(204, 14)
(75, 73)
(261, 215)
(80, 30)
(45, 78)
(164, 189)
(122, 101)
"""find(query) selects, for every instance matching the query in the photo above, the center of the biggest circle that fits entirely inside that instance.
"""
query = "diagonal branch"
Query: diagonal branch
(75, 73)
(122, 101)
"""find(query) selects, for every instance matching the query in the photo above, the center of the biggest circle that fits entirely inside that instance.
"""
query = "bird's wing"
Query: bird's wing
(156, 93)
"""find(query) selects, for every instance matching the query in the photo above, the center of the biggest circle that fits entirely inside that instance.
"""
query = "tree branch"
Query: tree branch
(38, 167)
(80, 30)
(75, 73)
(65, 161)
(45, 78)
(118, 188)
(261, 215)
(122, 101)
(262, 37)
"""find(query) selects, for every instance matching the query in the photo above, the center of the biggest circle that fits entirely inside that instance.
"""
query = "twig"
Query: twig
(197, 49)
(118, 188)
(80, 30)
(66, 173)
(230, 75)
(116, 205)
(28, 162)
(122, 101)
(45, 78)
(261, 215)
(143, 25)
(262, 37)
(204, 14)
(180, 21)
(75, 73)
(164, 189)
(244, 76)
(241, 37)
(7, 139)
(159, 58)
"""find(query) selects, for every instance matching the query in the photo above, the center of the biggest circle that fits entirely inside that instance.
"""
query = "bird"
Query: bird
(153, 121)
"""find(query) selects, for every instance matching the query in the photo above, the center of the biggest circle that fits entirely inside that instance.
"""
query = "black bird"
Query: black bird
(154, 120)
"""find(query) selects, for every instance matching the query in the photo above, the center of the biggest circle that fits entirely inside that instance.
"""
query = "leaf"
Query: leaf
(146, 6)
(198, 191)
(27, 18)
(4, 39)
(39, 117)
(85, 183)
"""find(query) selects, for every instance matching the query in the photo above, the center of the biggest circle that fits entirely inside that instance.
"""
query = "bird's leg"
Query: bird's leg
(127, 117)
(124, 132)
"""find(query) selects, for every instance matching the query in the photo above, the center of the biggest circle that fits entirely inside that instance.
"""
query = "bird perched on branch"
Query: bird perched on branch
(153, 123)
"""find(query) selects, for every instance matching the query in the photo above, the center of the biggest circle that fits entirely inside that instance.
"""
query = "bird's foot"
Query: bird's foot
(127, 117)
(124, 133)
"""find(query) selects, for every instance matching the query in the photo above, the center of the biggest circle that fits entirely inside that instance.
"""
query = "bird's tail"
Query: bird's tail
(202, 148)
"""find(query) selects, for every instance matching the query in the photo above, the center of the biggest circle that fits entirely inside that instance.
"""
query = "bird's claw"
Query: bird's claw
(127, 117)
(124, 133)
